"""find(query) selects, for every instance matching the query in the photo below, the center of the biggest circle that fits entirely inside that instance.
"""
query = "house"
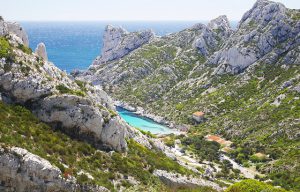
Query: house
(198, 116)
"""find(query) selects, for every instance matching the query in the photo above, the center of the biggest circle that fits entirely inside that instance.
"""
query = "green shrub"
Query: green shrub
(179, 106)
(82, 85)
(204, 149)
(251, 185)
(197, 189)
(65, 90)
(5, 49)
(25, 49)
(112, 113)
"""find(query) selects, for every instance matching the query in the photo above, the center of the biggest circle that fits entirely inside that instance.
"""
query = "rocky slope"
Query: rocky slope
(24, 171)
(75, 107)
(161, 63)
(56, 132)
(245, 80)
(265, 33)
(13, 28)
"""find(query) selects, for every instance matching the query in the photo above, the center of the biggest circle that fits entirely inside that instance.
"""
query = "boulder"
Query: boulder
(177, 181)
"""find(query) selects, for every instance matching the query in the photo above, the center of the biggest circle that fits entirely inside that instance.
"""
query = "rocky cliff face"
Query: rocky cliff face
(221, 25)
(24, 171)
(13, 28)
(153, 59)
(265, 33)
(117, 42)
(77, 108)
(245, 80)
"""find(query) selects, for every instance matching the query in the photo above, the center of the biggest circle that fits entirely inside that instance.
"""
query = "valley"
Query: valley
(210, 108)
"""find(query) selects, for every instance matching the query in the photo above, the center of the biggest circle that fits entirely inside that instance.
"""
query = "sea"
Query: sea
(74, 45)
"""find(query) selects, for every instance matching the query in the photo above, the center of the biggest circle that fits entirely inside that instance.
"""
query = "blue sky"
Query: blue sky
(126, 10)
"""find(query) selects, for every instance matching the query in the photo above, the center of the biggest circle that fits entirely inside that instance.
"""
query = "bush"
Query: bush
(251, 185)
(81, 84)
(179, 106)
(5, 49)
(25, 49)
(204, 149)
(255, 158)
(65, 90)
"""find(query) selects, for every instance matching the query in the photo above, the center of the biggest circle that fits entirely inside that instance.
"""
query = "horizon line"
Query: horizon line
(114, 20)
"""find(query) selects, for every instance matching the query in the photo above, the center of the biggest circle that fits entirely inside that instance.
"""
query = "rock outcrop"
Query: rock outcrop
(3, 27)
(16, 28)
(177, 181)
(24, 171)
(265, 33)
(124, 65)
(13, 28)
(78, 109)
(117, 42)
(221, 26)
(41, 51)
(7, 28)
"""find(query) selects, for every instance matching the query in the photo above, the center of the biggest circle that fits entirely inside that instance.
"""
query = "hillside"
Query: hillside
(62, 134)
(245, 80)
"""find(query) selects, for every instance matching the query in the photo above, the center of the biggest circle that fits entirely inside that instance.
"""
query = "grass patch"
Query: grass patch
(65, 90)
(251, 185)
(25, 49)
(6, 50)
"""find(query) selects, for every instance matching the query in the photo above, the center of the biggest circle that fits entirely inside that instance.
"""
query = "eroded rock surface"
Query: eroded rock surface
(176, 181)
(13, 28)
(21, 170)
(76, 108)
(265, 33)
(117, 42)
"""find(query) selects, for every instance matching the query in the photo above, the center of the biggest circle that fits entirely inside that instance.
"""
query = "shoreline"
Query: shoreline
(158, 119)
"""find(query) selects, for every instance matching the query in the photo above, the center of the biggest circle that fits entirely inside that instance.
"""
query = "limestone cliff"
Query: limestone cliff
(24, 171)
(265, 33)
(74, 107)
(117, 42)
(246, 80)
(13, 28)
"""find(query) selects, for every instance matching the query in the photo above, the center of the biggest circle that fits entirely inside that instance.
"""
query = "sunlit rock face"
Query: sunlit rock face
(117, 42)
(264, 33)
(41, 51)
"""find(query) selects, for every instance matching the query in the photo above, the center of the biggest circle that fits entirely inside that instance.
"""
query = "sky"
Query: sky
(127, 10)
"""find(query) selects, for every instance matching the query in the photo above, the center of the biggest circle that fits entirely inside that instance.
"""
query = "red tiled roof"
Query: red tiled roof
(198, 113)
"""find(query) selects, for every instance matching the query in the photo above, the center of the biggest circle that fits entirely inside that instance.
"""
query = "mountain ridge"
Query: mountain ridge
(240, 81)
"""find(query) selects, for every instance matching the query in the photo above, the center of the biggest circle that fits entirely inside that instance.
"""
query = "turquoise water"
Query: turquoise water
(143, 123)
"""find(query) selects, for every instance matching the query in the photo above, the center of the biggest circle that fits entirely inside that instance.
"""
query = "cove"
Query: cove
(143, 123)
